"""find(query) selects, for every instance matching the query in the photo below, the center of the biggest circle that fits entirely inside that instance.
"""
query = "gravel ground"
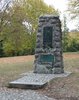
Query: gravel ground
(18, 94)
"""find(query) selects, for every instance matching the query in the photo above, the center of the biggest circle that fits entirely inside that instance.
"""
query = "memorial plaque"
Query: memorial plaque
(47, 37)
(47, 58)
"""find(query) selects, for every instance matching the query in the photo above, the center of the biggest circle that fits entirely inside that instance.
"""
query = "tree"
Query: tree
(3, 14)
(20, 30)
(65, 35)
(1, 48)
(33, 9)
(3, 22)
(12, 29)
(73, 8)
(65, 28)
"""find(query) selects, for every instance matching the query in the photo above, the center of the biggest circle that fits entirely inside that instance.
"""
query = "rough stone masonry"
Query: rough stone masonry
(48, 52)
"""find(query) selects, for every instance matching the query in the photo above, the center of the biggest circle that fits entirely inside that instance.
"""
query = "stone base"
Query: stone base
(47, 69)
(35, 81)
(43, 69)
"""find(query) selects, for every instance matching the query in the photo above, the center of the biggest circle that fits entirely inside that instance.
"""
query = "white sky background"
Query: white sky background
(61, 5)
(58, 4)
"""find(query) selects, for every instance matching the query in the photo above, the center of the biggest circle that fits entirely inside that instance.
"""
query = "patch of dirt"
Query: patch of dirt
(16, 59)
(71, 55)
(63, 88)
(31, 57)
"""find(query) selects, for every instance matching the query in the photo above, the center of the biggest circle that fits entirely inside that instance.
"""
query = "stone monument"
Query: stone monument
(48, 62)
(48, 52)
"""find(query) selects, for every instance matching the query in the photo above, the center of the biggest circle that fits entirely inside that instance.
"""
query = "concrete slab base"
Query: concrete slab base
(35, 81)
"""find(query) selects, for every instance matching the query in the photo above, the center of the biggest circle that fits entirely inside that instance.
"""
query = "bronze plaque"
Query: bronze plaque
(47, 37)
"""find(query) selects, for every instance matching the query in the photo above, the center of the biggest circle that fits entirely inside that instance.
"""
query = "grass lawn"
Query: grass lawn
(11, 69)
(60, 88)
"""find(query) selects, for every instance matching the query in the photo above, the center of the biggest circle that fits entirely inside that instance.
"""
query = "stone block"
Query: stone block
(35, 81)
(57, 54)
(58, 64)
(58, 70)
(57, 44)
(58, 59)
(43, 69)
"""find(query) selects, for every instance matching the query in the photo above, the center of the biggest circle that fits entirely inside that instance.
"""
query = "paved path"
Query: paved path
(17, 94)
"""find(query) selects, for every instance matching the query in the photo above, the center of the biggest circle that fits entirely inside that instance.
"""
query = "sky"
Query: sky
(61, 5)
(58, 4)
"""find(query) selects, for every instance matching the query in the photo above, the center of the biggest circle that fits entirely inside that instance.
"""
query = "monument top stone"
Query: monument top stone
(47, 15)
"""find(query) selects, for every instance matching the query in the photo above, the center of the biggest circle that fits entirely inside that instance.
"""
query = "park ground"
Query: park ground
(66, 88)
